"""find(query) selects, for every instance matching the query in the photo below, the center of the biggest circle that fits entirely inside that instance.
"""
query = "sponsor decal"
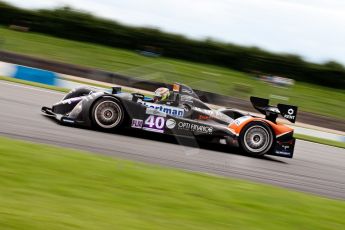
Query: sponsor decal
(137, 123)
(184, 90)
(240, 120)
(170, 124)
(195, 127)
(289, 115)
(153, 111)
(285, 147)
(154, 124)
(170, 110)
(203, 117)
(283, 153)
(213, 113)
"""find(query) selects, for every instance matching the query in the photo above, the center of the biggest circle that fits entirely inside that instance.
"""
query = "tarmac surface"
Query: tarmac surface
(315, 168)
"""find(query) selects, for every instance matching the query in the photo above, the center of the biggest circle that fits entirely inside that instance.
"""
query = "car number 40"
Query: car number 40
(155, 122)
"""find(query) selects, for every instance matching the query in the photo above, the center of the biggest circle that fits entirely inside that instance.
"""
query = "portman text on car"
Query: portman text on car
(182, 114)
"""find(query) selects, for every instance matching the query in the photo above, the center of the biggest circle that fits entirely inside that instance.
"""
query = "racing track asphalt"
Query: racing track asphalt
(315, 168)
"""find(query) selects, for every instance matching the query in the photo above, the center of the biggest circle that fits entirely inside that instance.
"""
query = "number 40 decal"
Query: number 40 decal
(154, 124)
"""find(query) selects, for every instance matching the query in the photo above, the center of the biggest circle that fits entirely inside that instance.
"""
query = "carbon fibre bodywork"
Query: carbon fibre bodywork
(184, 114)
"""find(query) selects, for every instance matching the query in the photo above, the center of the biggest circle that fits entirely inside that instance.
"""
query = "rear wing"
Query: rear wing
(289, 112)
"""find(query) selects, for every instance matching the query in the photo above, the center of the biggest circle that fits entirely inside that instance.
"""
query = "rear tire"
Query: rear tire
(256, 138)
(107, 114)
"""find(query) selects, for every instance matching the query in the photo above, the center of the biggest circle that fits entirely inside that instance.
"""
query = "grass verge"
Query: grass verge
(320, 140)
(44, 187)
(309, 97)
(35, 84)
(298, 136)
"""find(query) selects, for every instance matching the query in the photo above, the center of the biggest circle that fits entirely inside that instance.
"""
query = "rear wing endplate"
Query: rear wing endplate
(289, 112)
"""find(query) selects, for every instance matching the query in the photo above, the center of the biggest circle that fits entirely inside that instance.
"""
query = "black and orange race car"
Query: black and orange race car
(183, 114)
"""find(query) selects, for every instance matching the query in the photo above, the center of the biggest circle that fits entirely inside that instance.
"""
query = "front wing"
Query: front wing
(60, 118)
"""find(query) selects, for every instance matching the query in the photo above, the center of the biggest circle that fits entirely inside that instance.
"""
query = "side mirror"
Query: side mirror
(116, 90)
(137, 96)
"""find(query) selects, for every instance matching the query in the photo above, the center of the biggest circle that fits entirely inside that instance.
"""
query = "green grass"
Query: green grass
(45, 187)
(308, 97)
(320, 140)
(30, 83)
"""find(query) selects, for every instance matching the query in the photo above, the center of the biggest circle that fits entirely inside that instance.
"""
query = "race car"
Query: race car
(181, 114)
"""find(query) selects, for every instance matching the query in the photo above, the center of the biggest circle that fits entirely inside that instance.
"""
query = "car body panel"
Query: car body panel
(184, 115)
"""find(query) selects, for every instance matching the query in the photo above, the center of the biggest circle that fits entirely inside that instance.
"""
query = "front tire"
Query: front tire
(107, 113)
(256, 138)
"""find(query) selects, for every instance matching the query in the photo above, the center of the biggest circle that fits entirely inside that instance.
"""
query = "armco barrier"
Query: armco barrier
(109, 77)
(28, 73)
(35, 75)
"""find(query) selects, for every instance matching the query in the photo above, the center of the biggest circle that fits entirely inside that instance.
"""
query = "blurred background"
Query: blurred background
(288, 51)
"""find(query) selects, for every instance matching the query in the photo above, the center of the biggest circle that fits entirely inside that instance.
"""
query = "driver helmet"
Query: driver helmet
(161, 94)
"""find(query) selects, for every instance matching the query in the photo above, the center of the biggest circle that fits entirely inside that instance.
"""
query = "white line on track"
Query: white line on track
(30, 87)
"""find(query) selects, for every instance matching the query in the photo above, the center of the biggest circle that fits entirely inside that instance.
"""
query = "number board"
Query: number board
(154, 124)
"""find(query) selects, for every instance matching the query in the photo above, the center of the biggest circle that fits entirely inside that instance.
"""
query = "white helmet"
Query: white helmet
(161, 94)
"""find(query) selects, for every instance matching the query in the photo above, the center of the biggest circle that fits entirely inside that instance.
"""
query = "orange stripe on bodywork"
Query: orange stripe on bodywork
(278, 129)
(239, 123)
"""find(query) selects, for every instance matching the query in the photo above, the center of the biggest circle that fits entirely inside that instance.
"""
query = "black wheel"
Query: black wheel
(256, 138)
(107, 113)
